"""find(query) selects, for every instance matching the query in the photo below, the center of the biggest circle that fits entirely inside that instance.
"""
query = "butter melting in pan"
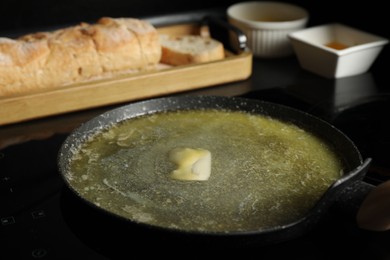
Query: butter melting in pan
(192, 164)
(264, 172)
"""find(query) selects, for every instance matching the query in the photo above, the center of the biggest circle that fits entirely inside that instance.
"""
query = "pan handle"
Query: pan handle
(367, 203)
(374, 212)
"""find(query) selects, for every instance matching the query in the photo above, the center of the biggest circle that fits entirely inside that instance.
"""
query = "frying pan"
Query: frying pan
(346, 192)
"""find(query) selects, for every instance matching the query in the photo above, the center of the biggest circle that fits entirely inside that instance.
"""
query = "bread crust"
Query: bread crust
(77, 53)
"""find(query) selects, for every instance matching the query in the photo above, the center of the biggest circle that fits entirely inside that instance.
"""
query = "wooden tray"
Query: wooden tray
(128, 87)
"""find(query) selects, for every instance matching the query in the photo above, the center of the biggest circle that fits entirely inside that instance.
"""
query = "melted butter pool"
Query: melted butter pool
(264, 172)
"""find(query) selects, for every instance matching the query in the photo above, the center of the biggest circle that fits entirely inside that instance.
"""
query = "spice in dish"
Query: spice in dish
(336, 45)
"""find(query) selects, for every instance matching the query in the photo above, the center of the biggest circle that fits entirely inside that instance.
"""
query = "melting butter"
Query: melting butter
(192, 164)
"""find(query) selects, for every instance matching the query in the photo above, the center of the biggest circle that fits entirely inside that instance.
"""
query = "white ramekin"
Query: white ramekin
(267, 25)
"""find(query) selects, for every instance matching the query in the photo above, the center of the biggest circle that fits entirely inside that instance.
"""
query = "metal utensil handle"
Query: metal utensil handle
(215, 25)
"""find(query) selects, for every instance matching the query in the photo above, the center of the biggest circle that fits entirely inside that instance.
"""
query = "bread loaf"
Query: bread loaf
(76, 54)
(188, 49)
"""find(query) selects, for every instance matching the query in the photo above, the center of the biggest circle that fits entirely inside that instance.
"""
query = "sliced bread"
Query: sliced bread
(188, 49)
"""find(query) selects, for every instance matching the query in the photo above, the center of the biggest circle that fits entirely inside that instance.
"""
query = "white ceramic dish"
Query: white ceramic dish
(336, 50)
(267, 25)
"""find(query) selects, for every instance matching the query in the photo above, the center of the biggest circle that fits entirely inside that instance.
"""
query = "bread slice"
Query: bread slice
(187, 49)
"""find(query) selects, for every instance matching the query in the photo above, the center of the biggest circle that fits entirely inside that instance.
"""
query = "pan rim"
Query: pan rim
(174, 103)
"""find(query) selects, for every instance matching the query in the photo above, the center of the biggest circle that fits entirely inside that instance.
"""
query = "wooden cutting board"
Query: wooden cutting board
(127, 87)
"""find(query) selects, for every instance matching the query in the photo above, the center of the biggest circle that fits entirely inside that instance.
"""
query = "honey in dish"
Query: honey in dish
(336, 45)
(264, 172)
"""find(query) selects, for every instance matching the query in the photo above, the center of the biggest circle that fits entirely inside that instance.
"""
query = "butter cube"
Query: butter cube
(192, 164)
